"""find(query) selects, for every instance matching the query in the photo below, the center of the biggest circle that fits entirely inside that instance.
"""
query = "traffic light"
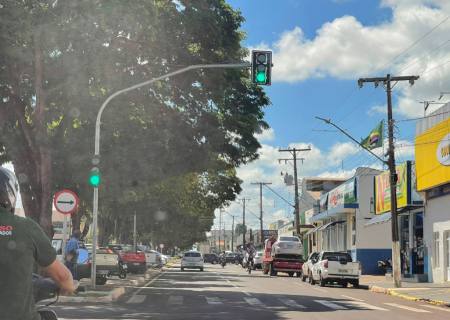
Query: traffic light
(94, 177)
(262, 67)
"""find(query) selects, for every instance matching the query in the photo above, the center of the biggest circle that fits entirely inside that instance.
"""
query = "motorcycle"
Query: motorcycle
(223, 262)
(44, 289)
(123, 270)
(385, 265)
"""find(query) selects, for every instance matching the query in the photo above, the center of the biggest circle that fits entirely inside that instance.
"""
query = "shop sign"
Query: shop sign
(432, 151)
(268, 233)
(383, 189)
(342, 195)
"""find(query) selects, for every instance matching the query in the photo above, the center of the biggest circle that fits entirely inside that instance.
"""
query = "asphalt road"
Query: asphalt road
(231, 293)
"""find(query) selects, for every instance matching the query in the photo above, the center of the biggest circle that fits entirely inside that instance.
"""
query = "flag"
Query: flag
(375, 138)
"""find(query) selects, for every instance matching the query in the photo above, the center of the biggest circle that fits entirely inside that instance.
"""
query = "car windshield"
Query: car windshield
(192, 254)
(295, 239)
(208, 147)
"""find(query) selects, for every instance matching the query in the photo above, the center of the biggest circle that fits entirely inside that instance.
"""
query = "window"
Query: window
(353, 230)
(192, 254)
(294, 239)
(436, 242)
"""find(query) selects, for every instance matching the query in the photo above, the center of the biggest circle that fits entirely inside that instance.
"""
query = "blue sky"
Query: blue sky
(321, 48)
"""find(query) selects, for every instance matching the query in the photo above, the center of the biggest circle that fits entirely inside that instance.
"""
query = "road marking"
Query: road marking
(400, 306)
(149, 283)
(330, 304)
(137, 298)
(213, 300)
(175, 300)
(254, 302)
(435, 307)
(351, 298)
(244, 292)
(364, 305)
(291, 303)
(318, 289)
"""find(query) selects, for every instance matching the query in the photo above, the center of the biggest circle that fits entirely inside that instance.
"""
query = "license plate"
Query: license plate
(136, 263)
(343, 271)
(102, 272)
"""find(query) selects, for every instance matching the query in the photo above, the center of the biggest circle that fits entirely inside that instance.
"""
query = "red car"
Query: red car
(135, 260)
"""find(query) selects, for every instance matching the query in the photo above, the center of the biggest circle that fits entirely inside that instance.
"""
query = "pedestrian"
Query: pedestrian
(71, 253)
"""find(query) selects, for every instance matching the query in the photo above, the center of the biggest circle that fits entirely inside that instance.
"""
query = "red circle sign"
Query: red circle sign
(66, 201)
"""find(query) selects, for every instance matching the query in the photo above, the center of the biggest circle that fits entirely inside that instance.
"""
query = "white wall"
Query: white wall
(437, 219)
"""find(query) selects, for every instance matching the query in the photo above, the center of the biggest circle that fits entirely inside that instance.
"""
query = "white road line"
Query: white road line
(149, 283)
(400, 306)
(136, 299)
(435, 307)
(254, 302)
(351, 298)
(330, 304)
(291, 303)
(175, 300)
(363, 305)
(213, 300)
(244, 292)
(318, 289)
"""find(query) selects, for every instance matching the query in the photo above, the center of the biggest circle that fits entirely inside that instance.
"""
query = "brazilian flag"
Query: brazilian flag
(375, 138)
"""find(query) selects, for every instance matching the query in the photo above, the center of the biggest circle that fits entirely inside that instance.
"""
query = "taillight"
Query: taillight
(325, 264)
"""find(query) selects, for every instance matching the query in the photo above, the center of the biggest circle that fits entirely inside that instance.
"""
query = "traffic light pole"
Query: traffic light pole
(96, 158)
(261, 184)
(396, 260)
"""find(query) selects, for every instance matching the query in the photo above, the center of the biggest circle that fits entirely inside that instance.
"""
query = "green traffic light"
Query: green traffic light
(94, 178)
(261, 77)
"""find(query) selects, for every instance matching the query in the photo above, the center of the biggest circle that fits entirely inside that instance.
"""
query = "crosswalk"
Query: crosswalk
(279, 302)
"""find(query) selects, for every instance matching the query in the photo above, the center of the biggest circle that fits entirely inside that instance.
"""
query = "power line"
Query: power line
(424, 117)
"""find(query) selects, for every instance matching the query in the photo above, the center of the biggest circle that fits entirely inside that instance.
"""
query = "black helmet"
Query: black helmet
(9, 188)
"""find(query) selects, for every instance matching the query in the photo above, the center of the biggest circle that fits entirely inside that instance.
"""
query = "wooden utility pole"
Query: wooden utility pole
(261, 184)
(294, 151)
(396, 263)
(243, 221)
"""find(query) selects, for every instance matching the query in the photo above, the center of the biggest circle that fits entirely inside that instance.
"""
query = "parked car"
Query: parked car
(192, 260)
(231, 257)
(307, 265)
(287, 245)
(211, 258)
(135, 260)
(335, 267)
(257, 260)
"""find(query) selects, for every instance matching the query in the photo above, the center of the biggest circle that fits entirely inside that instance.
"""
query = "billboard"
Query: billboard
(268, 233)
(406, 193)
(432, 149)
(342, 195)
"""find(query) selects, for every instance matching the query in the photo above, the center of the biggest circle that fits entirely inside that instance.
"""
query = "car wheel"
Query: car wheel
(298, 274)
(201, 269)
(355, 284)
(344, 284)
(311, 279)
(182, 269)
(291, 274)
(100, 281)
(322, 281)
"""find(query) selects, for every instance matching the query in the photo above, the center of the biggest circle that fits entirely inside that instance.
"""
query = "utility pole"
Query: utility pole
(396, 263)
(294, 151)
(261, 184)
(134, 233)
(232, 235)
(243, 220)
(220, 225)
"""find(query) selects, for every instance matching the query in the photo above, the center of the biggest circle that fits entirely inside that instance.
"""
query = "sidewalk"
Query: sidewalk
(112, 290)
(438, 294)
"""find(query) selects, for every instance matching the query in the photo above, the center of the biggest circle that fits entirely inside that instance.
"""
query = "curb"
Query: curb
(111, 296)
(392, 292)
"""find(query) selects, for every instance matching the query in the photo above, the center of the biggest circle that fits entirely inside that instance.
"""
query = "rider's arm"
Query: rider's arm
(61, 275)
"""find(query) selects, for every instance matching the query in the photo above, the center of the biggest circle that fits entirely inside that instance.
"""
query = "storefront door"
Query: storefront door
(447, 253)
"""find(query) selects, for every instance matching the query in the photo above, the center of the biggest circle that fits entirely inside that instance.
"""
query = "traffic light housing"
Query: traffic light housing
(262, 67)
(94, 177)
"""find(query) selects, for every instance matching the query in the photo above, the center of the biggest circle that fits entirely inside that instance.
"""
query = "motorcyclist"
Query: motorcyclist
(222, 259)
(251, 251)
(22, 244)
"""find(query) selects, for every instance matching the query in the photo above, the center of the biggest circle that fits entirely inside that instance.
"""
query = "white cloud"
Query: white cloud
(266, 135)
(346, 49)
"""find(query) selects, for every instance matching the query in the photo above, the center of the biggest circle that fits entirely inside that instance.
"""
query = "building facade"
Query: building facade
(432, 150)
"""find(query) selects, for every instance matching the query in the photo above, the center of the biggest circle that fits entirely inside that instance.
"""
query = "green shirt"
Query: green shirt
(22, 243)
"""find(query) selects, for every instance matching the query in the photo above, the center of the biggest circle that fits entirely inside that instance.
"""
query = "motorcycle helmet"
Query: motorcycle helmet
(9, 189)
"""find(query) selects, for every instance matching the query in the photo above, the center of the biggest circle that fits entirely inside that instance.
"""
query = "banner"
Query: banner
(433, 156)
(375, 138)
(342, 195)
(383, 189)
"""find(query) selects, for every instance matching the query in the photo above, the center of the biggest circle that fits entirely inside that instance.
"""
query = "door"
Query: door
(447, 253)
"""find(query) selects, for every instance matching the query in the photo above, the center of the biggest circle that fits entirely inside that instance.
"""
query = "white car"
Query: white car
(335, 267)
(257, 260)
(307, 265)
(287, 245)
(192, 260)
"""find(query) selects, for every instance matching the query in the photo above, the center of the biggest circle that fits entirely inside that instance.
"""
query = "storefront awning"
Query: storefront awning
(329, 224)
(385, 217)
(335, 212)
(313, 230)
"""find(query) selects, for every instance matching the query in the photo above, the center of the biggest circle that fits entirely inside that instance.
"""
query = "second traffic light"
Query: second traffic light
(262, 67)
(94, 177)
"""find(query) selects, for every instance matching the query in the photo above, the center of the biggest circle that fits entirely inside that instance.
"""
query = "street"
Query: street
(231, 293)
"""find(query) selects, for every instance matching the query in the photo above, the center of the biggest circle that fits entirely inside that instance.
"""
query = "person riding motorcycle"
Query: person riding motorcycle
(22, 244)
(222, 259)
(251, 251)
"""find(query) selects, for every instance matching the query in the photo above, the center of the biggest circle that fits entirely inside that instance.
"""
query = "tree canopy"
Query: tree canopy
(172, 147)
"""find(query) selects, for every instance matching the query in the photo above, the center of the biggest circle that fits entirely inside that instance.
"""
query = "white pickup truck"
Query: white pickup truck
(335, 267)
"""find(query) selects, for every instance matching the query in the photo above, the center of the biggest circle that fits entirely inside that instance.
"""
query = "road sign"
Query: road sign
(66, 201)
(161, 245)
